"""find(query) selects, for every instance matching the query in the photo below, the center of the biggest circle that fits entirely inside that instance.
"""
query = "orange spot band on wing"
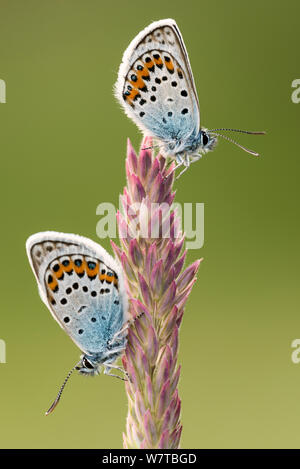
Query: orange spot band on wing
(109, 278)
(60, 272)
(143, 73)
(150, 64)
(92, 272)
(133, 94)
(180, 73)
(139, 83)
(169, 66)
(80, 269)
(158, 61)
(68, 268)
(53, 284)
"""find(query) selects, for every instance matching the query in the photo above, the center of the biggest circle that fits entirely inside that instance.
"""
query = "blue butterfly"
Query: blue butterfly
(83, 287)
(156, 88)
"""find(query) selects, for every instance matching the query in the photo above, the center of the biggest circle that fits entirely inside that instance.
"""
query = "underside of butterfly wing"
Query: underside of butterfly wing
(82, 286)
(155, 84)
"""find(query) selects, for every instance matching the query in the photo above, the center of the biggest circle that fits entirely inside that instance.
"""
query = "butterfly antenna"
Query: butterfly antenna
(240, 131)
(254, 153)
(52, 407)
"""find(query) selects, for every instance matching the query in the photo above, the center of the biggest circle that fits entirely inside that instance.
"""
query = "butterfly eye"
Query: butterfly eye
(87, 364)
(204, 139)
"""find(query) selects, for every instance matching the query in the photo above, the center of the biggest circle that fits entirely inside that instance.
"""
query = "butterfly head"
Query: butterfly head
(87, 366)
(207, 140)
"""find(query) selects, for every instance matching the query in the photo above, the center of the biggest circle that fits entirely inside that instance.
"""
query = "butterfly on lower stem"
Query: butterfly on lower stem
(83, 287)
(156, 88)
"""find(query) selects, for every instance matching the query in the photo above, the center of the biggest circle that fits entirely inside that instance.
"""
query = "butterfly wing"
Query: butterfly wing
(155, 83)
(82, 285)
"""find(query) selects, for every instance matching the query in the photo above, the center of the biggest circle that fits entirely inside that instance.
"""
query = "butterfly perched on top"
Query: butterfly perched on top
(156, 88)
(83, 287)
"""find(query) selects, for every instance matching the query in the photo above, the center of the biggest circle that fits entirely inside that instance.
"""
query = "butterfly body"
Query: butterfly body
(191, 147)
(156, 89)
(82, 285)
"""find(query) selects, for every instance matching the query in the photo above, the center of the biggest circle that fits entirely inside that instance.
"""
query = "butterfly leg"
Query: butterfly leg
(180, 174)
(186, 162)
(179, 160)
(173, 170)
(109, 366)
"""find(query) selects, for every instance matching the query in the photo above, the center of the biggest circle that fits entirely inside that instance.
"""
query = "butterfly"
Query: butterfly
(83, 287)
(156, 88)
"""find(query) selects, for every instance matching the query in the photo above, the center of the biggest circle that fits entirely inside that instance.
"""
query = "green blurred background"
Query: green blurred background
(63, 140)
